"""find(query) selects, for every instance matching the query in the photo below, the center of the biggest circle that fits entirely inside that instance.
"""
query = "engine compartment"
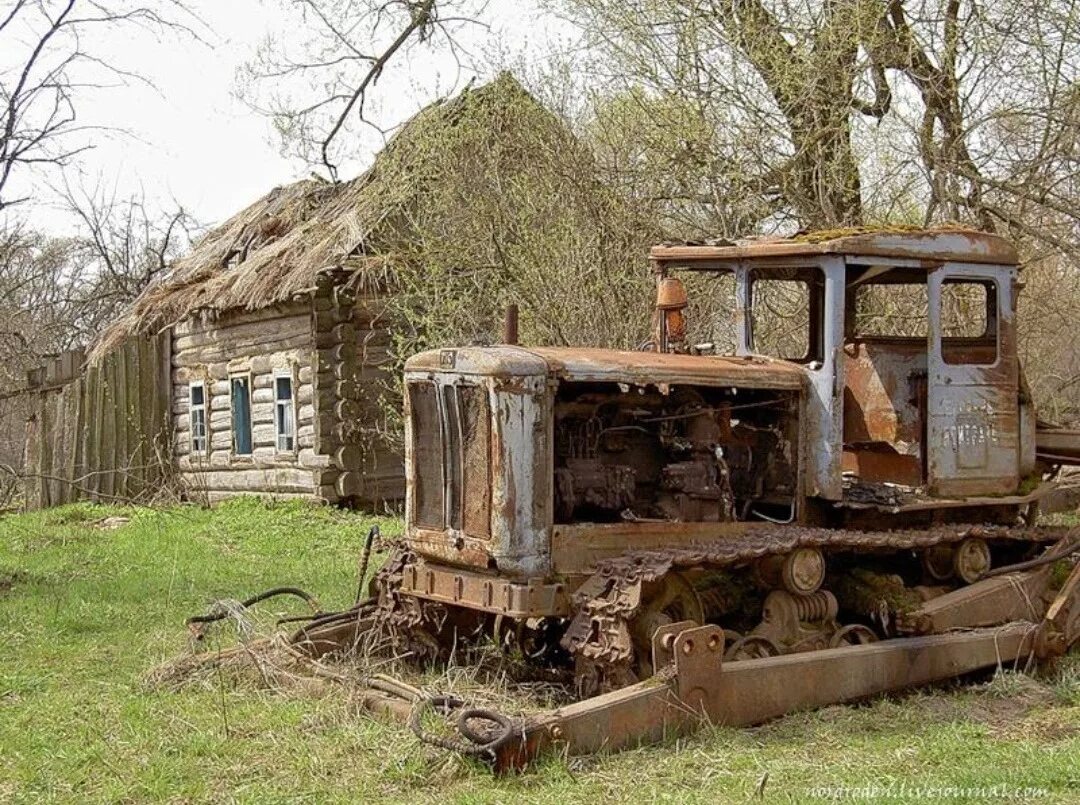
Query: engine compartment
(680, 453)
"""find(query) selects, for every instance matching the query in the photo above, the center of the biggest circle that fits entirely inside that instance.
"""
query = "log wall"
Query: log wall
(258, 344)
(352, 354)
(335, 347)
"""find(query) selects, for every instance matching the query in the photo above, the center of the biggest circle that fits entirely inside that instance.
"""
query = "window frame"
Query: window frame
(280, 405)
(813, 278)
(204, 409)
(233, 378)
(992, 318)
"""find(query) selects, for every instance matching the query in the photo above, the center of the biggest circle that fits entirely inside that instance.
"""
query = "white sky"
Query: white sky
(193, 140)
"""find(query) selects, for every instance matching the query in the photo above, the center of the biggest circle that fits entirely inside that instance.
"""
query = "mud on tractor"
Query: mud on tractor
(847, 509)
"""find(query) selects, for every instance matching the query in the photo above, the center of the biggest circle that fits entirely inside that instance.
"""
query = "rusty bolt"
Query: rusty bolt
(556, 732)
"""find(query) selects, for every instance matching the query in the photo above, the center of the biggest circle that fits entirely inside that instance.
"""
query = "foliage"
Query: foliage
(828, 113)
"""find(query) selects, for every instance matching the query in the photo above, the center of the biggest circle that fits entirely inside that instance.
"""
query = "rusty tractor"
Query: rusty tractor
(844, 504)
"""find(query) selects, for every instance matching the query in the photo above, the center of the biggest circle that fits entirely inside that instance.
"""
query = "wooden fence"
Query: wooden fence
(99, 432)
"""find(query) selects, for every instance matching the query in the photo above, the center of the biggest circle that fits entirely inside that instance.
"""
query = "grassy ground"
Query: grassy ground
(87, 610)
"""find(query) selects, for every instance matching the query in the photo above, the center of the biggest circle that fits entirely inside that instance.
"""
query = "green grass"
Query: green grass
(85, 612)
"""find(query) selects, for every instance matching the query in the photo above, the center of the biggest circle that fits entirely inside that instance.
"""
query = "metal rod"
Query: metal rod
(510, 325)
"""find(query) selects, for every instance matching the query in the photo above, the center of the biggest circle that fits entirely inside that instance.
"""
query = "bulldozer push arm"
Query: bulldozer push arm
(1008, 620)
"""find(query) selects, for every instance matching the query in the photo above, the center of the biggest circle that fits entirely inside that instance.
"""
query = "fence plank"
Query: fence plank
(100, 432)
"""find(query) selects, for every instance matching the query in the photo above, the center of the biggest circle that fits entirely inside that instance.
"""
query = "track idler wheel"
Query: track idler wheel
(971, 560)
(801, 572)
(752, 647)
(968, 561)
(854, 634)
(937, 562)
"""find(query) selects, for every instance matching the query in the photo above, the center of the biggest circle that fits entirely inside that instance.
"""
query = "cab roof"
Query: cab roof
(927, 247)
(607, 365)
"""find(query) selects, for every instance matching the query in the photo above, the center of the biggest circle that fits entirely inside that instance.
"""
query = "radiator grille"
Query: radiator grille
(427, 456)
(475, 415)
(451, 434)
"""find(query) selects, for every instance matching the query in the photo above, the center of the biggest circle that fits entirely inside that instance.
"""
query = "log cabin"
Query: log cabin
(282, 354)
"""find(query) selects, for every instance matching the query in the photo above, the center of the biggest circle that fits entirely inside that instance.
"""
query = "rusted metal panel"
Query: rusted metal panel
(485, 592)
(929, 247)
(499, 511)
(880, 404)
(972, 407)
(653, 368)
(600, 365)
(753, 691)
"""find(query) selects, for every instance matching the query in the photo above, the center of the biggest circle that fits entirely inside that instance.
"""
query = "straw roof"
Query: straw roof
(276, 249)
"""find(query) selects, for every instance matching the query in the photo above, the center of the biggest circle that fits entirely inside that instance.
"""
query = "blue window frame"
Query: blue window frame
(241, 415)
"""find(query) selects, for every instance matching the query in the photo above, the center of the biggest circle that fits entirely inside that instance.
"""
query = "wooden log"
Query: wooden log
(309, 458)
(348, 457)
(227, 349)
(210, 321)
(349, 485)
(347, 389)
(264, 434)
(219, 420)
(347, 410)
(251, 330)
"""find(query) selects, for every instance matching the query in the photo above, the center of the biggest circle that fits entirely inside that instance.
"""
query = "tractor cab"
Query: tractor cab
(908, 343)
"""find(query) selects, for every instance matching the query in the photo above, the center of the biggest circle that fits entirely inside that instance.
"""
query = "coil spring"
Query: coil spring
(816, 606)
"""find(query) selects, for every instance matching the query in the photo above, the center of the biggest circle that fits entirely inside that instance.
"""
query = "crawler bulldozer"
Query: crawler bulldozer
(841, 500)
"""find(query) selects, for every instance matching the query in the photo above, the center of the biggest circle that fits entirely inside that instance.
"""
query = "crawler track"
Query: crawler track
(599, 632)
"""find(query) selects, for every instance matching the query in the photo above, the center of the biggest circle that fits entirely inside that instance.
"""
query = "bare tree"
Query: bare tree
(956, 110)
(48, 68)
(318, 90)
(57, 293)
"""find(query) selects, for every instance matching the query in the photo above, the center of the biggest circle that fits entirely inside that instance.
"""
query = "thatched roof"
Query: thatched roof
(275, 249)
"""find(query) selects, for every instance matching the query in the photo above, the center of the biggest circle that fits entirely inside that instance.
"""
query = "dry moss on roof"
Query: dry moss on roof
(275, 249)
(824, 235)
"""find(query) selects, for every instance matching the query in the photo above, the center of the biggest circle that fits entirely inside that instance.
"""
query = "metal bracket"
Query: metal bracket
(695, 654)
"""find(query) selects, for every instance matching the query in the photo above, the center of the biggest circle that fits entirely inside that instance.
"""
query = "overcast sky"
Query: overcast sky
(191, 138)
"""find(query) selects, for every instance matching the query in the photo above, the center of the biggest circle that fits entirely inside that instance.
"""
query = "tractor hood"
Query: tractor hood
(614, 366)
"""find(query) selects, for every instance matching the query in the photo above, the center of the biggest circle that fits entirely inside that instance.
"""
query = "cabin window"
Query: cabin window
(197, 416)
(969, 322)
(711, 326)
(786, 314)
(284, 413)
(241, 415)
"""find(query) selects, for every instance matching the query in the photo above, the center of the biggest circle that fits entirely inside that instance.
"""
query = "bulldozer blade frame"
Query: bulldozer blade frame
(704, 689)
(693, 685)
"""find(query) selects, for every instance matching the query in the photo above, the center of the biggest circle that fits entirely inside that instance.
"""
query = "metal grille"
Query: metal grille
(427, 456)
(475, 415)
(451, 438)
